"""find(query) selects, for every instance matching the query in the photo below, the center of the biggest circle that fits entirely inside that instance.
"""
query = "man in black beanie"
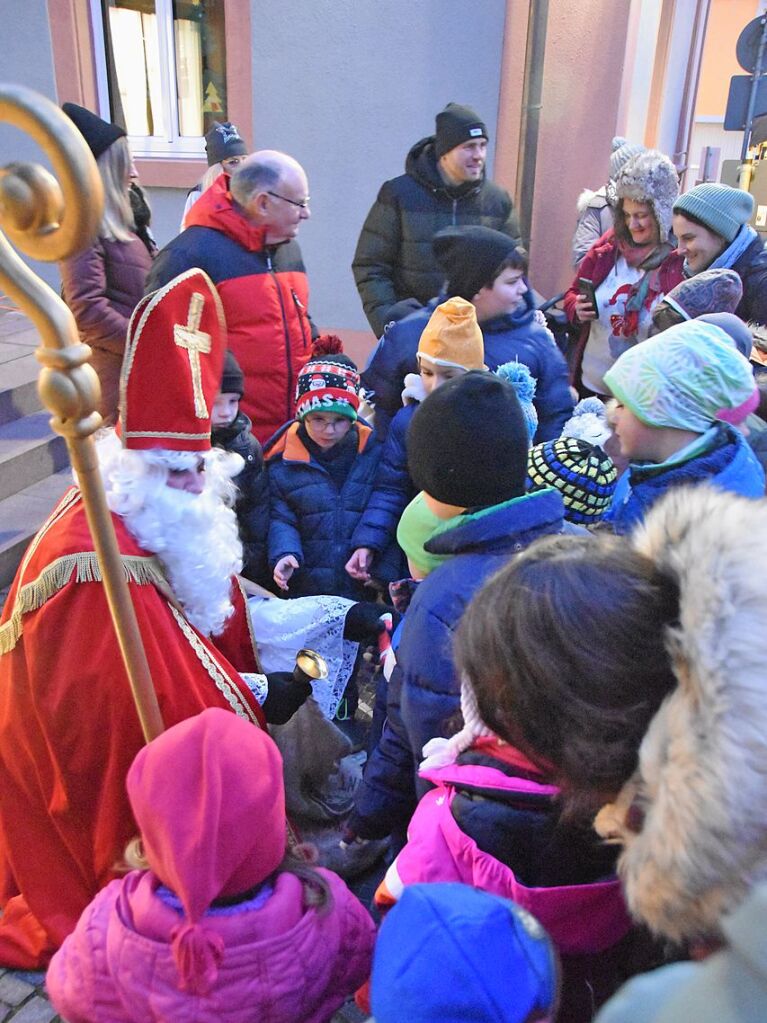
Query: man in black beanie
(444, 183)
(467, 450)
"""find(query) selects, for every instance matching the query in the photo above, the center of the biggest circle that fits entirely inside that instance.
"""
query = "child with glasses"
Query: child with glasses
(321, 467)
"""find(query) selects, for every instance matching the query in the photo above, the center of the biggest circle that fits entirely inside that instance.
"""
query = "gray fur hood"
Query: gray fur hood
(701, 783)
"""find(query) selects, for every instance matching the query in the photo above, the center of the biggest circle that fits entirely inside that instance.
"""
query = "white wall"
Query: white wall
(347, 86)
(27, 60)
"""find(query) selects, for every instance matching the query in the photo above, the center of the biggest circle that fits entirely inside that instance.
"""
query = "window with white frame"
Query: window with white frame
(161, 71)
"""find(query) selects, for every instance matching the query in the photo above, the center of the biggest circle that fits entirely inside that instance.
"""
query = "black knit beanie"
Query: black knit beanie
(470, 255)
(232, 379)
(222, 141)
(99, 134)
(456, 124)
(467, 444)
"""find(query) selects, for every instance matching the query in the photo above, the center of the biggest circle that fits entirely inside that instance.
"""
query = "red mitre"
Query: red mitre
(171, 374)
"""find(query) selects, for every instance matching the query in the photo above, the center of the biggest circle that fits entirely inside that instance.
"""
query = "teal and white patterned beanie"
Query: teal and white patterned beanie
(687, 378)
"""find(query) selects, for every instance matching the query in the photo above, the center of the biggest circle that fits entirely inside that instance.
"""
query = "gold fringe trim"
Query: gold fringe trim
(82, 567)
(223, 683)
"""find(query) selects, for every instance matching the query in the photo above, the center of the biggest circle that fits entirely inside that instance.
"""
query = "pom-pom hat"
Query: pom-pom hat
(583, 474)
(172, 368)
(329, 382)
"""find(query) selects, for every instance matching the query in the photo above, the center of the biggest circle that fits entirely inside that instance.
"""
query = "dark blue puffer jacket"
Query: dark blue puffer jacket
(310, 518)
(516, 335)
(394, 490)
(424, 692)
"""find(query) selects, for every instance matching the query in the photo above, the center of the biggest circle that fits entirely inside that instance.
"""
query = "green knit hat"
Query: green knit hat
(722, 209)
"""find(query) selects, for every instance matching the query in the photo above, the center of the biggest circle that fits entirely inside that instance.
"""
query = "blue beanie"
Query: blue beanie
(447, 953)
(523, 382)
(723, 210)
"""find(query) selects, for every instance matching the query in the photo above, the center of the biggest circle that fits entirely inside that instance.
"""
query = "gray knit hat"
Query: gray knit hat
(622, 151)
(652, 178)
(722, 209)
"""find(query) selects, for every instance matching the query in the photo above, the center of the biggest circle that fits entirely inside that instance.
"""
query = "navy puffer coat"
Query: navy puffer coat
(516, 335)
(394, 263)
(311, 518)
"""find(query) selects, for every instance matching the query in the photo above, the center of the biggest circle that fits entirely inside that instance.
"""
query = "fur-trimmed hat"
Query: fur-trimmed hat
(694, 844)
(648, 177)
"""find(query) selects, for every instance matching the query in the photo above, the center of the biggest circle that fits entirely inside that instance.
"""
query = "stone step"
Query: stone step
(22, 514)
(29, 452)
(18, 387)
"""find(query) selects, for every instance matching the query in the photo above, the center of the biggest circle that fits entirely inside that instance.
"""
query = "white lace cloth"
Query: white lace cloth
(283, 627)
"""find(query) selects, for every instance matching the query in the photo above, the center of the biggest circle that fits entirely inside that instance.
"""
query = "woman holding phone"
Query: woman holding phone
(626, 272)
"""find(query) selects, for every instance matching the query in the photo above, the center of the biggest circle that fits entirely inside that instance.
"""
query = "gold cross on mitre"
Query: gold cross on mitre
(194, 340)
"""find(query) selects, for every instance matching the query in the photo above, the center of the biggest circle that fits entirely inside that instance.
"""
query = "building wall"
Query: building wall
(347, 87)
(28, 61)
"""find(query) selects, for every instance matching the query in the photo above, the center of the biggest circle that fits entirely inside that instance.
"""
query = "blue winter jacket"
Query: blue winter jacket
(394, 490)
(729, 464)
(424, 691)
(310, 518)
(516, 335)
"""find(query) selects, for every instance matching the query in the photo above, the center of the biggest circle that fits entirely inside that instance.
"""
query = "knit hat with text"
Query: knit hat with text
(688, 378)
(467, 443)
(329, 382)
(456, 125)
(722, 209)
(452, 337)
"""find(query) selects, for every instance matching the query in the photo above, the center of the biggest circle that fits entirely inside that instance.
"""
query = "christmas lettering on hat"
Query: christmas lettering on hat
(174, 357)
(329, 382)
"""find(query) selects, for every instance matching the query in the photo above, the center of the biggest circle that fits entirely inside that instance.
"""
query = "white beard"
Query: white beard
(195, 536)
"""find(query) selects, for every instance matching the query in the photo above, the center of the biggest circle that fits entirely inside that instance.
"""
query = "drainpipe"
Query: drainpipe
(531, 113)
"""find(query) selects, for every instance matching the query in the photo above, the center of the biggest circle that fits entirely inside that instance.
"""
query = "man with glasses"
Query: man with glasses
(242, 233)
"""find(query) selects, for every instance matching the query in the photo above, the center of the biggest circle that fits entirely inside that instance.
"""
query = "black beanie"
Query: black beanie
(467, 444)
(456, 124)
(222, 141)
(470, 256)
(232, 380)
(99, 134)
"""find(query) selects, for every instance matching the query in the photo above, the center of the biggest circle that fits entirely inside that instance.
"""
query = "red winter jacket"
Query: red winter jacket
(265, 295)
(595, 266)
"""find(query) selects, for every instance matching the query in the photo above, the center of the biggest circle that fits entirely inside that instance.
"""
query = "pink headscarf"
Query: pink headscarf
(209, 801)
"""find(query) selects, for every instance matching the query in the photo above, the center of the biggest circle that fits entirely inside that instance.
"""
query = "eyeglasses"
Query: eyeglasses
(301, 203)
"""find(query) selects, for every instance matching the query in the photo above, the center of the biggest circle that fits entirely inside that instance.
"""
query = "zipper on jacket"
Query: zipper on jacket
(455, 211)
(289, 401)
(300, 309)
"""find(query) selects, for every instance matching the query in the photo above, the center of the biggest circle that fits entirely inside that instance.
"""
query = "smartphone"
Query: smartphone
(587, 289)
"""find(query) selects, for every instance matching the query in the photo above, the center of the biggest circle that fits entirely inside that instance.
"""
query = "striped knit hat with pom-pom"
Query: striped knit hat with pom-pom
(583, 474)
(329, 382)
(523, 382)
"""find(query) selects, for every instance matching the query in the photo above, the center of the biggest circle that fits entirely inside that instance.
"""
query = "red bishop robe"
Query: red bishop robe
(68, 726)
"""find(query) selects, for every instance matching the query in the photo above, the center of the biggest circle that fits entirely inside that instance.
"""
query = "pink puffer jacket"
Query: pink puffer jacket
(282, 962)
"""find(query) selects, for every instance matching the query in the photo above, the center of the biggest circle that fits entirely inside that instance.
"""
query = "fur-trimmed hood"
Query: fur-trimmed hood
(700, 789)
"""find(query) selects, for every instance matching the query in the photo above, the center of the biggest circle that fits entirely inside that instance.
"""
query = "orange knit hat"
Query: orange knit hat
(452, 337)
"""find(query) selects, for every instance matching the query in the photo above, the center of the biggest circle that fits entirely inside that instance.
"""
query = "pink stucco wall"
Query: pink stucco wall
(583, 70)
